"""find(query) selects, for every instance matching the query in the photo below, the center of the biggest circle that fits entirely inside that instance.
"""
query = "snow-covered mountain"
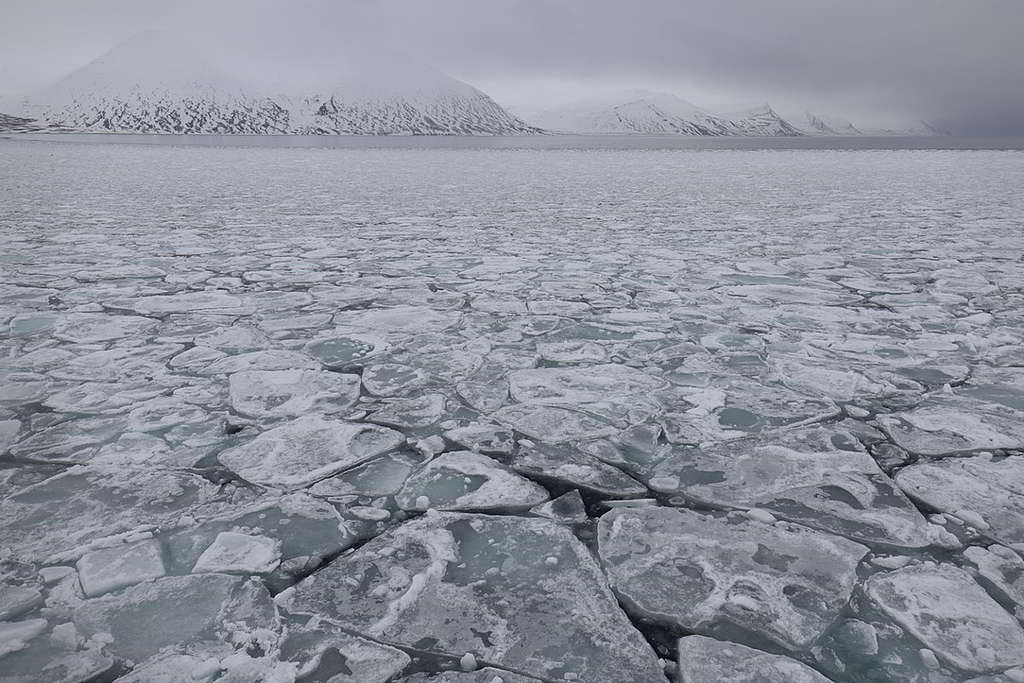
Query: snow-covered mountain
(155, 83)
(914, 129)
(654, 113)
(813, 123)
(660, 113)
(16, 124)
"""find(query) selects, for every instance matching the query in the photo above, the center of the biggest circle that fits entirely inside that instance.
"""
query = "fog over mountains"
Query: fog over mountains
(157, 83)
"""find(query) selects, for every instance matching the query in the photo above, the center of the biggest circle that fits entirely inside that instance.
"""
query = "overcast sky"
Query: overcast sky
(958, 63)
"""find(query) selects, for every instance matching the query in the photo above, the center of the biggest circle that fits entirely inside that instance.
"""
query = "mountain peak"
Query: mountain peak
(156, 82)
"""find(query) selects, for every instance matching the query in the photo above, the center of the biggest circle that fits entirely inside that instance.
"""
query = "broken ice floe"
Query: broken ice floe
(457, 583)
(701, 573)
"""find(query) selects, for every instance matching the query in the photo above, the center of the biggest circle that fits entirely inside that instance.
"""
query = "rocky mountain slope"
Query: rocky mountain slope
(155, 83)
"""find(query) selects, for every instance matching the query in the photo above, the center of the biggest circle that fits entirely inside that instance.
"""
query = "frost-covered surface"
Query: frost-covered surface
(479, 416)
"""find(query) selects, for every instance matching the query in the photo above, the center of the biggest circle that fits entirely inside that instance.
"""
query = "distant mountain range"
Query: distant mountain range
(156, 83)
(652, 113)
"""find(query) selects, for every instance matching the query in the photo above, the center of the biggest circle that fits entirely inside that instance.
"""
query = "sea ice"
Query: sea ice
(177, 610)
(456, 583)
(699, 572)
(291, 393)
(702, 660)
(307, 449)
(235, 553)
(944, 425)
(988, 486)
(817, 476)
(109, 569)
(468, 481)
(569, 466)
(971, 632)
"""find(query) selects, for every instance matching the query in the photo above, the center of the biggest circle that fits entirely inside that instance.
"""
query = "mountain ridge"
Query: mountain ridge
(154, 83)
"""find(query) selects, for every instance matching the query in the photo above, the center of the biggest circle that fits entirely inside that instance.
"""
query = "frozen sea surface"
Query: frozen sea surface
(487, 415)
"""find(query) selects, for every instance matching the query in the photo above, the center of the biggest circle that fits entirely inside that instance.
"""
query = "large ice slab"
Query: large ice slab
(984, 486)
(485, 675)
(321, 650)
(818, 476)
(235, 553)
(697, 571)
(179, 610)
(187, 302)
(703, 659)
(580, 384)
(301, 529)
(951, 424)
(400, 319)
(305, 450)
(291, 393)
(517, 592)
(108, 569)
(96, 328)
(468, 481)
(951, 614)
(569, 466)
(62, 515)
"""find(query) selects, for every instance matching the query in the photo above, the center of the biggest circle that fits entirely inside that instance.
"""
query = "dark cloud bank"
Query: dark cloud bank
(956, 63)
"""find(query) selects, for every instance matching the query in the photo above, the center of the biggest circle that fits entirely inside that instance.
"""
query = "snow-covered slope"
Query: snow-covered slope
(913, 129)
(17, 124)
(659, 113)
(820, 124)
(155, 83)
(397, 98)
(762, 121)
(650, 113)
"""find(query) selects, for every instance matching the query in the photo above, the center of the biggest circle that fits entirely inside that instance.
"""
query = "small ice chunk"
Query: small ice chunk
(235, 553)
(666, 484)
(50, 575)
(109, 569)
(468, 662)
(568, 508)
(971, 518)
(891, 561)
(760, 515)
(369, 513)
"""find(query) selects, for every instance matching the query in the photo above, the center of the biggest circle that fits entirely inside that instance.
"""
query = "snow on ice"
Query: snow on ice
(496, 416)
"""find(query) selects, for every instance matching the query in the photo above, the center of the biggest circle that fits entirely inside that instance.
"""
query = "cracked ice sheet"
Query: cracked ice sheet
(457, 583)
(710, 574)
(949, 424)
(880, 294)
(973, 633)
(985, 487)
(818, 476)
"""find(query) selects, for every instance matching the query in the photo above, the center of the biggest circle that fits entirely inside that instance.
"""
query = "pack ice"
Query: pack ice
(508, 416)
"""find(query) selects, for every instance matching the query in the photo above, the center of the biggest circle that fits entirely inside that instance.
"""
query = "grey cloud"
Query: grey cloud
(951, 61)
